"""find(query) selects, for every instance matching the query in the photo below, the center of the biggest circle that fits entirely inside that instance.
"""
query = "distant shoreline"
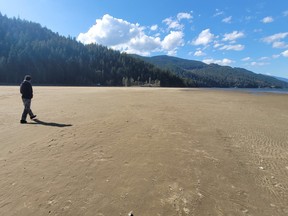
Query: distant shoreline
(256, 90)
(249, 90)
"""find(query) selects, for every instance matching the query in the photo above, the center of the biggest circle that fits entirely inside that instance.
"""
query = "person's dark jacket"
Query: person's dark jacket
(26, 90)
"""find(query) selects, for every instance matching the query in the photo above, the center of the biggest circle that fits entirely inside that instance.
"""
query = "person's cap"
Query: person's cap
(27, 77)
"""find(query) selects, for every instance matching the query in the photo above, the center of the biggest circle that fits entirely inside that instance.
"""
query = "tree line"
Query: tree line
(199, 74)
(52, 59)
(29, 48)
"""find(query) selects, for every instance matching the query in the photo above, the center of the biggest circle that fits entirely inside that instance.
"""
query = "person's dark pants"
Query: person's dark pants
(27, 109)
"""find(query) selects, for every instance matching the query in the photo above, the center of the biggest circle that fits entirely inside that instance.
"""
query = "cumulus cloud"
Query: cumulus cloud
(129, 37)
(204, 38)
(268, 19)
(174, 23)
(173, 40)
(154, 27)
(285, 13)
(285, 53)
(233, 36)
(181, 16)
(227, 19)
(199, 53)
(141, 44)
(110, 31)
(223, 62)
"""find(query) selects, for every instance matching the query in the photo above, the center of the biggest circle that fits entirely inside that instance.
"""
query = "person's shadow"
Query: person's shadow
(52, 124)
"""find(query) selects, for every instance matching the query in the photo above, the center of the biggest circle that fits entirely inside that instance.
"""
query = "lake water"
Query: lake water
(256, 90)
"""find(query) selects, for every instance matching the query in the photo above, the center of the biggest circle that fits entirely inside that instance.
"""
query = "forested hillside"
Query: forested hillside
(51, 59)
(28, 48)
(200, 74)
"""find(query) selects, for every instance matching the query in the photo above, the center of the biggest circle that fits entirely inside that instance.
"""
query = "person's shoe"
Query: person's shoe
(23, 121)
(32, 117)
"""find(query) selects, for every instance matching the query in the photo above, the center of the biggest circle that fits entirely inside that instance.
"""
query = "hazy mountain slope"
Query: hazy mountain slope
(281, 78)
(200, 74)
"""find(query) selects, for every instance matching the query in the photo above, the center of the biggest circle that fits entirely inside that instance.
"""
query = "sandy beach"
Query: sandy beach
(153, 151)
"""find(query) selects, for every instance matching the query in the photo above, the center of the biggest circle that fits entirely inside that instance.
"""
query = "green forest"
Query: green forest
(199, 74)
(51, 59)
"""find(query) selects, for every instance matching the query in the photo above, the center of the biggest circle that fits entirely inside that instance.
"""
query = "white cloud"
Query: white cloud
(233, 36)
(218, 13)
(236, 47)
(227, 19)
(277, 40)
(285, 13)
(204, 38)
(110, 31)
(246, 59)
(285, 53)
(154, 27)
(181, 16)
(173, 40)
(216, 44)
(279, 44)
(259, 63)
(199, 53)
(224, 61)
(264, 58)
(268, 19)
(275, 37)
(128, 37)
(174, 23)
(142, 45)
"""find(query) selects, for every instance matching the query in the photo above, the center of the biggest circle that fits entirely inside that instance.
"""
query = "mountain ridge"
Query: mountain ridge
(200, 74)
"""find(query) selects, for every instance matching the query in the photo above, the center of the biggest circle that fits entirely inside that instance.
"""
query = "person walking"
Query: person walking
(27, 94)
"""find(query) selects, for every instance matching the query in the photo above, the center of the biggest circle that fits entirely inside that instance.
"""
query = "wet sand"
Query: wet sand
(153, 151)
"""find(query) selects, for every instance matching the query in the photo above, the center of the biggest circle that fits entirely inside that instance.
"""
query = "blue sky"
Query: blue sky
(252, 34)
